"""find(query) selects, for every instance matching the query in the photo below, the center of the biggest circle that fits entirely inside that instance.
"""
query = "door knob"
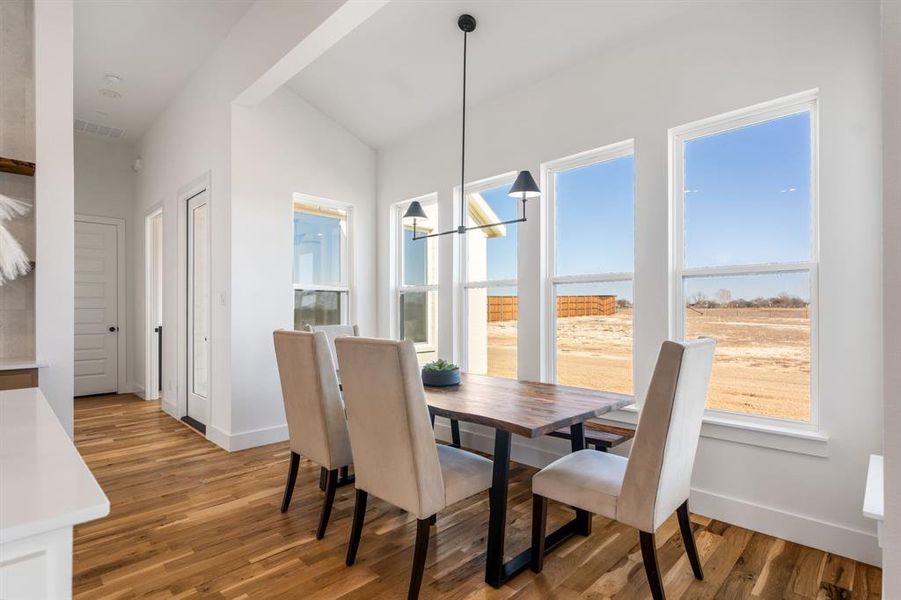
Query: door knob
(113, 328)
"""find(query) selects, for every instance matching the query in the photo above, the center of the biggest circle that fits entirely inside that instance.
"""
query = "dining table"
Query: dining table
(530, 410)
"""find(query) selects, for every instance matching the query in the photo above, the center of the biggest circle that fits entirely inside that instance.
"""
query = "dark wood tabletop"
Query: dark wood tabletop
(526, 408)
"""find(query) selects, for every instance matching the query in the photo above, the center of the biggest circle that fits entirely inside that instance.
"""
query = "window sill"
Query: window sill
(764, 435)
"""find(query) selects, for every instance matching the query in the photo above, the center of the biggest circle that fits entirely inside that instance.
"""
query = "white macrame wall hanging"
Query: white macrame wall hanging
(13, 260)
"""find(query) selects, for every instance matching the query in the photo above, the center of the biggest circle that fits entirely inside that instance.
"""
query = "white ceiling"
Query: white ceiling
(402, 68)
(155, 46)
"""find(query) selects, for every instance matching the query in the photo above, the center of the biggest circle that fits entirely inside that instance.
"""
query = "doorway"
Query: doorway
(99, 305)
(153, 300)
(198, 317)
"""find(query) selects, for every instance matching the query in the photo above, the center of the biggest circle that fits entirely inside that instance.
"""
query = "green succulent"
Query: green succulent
(440, 365)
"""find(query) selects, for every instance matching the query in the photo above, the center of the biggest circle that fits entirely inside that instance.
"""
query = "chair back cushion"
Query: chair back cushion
(658, 476)
(332, 332)
(395, 457)
(317, 427)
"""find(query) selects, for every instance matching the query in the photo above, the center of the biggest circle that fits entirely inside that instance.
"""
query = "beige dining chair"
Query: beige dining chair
(332, 332)
(315, 412)
(645, 489)
(396, 458)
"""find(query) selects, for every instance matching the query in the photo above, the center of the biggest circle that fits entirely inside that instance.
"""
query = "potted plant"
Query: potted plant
(440, 373)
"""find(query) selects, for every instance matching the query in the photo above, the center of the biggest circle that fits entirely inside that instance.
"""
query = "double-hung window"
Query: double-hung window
(590, 204)
(417, 279)
(321, 262)
(489, 275)
(745, 254)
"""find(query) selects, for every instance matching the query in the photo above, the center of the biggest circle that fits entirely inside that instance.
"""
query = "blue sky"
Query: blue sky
(747, 201)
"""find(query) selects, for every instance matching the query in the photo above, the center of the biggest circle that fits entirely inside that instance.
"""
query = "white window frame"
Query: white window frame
(344, 284)
(401, 288)
(465, 285)
(804, 102)
(549, 172)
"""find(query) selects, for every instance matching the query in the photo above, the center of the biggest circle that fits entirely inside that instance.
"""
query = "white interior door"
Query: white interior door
(198, 308)
(96, 308)
(154, 303)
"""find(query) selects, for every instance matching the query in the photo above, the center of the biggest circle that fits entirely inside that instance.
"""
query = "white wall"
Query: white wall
(281, 147)
(104, 187)
(891, 238)
(192, 141)
(54, 204)
(698, 65)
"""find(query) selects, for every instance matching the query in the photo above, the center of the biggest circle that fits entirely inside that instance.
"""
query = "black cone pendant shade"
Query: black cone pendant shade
(414, 211)
(524, 187)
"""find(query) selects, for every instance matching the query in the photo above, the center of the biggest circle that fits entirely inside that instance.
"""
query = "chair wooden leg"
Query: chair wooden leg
(688, 540)
(331, 485)
(651, 567)
(455, 433)
(323, 476)
(419, 555)
(292, 479)
(539, 525)
(433, 520)
(356, 528)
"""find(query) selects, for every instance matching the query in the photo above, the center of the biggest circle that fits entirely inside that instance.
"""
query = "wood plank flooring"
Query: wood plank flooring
(190, 520)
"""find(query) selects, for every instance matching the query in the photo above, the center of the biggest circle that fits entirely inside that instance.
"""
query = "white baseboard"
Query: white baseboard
(831, 537)
(169, 408)
(859, 545)
(134, 388)
(233, 442)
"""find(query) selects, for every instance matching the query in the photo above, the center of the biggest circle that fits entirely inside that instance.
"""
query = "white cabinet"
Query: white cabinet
(45, 490)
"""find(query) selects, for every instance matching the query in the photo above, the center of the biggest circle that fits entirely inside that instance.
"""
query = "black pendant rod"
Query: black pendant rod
(463, 143)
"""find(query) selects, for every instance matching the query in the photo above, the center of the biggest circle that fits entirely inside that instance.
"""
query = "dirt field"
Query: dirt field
(762, 358)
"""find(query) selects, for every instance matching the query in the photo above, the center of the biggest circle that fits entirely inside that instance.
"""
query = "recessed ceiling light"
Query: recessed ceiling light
(110, 94)
(112, 79)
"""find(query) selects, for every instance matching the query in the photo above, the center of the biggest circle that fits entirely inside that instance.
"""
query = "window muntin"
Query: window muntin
(321, 263)
(489, 265)
(417, 277)
(746, 269)
(592, 245)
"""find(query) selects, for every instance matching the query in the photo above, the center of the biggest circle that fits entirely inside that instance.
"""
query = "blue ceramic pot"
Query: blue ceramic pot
(441, 378)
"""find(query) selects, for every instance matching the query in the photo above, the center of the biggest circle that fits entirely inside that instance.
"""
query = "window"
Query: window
(490, 300)
(745, 254)
(417, 277)
(321, 264)
(591, 261)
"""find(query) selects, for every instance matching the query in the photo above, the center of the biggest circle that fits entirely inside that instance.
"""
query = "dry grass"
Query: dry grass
(762, 359)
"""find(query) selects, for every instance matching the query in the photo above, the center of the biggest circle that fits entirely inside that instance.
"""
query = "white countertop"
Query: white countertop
(12, 364)
(44, 483)
(874, 498)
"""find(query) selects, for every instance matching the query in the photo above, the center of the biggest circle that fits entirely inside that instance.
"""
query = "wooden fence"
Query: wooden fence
(505, 308)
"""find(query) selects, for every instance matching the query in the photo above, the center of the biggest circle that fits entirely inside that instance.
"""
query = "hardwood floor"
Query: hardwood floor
(190, 520)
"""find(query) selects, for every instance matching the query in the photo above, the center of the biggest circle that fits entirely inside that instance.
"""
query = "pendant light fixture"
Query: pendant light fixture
(523, 188)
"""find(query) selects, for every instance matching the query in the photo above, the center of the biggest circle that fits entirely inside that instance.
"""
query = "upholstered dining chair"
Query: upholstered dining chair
(645, 489)
(333, 332)
(315, 412)
(396, 458)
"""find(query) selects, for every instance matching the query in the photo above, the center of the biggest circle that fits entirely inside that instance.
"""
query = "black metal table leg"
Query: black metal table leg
(583, 517)
(495, 574)
(455, 433)
(498, 572)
